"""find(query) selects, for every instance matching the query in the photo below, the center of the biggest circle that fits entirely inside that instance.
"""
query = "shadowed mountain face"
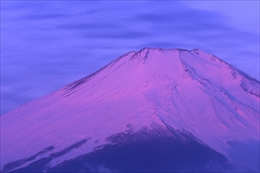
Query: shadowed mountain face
(145, 151)
(150, 110)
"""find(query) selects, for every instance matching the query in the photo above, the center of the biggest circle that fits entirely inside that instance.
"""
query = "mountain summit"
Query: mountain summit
(151, 110)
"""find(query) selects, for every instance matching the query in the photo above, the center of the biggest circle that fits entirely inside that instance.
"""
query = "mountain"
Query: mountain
(147, 111)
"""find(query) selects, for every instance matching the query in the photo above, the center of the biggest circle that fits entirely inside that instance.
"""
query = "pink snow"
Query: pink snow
(189, 90)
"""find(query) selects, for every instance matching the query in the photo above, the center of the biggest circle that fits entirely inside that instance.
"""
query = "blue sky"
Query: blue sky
(48, 44)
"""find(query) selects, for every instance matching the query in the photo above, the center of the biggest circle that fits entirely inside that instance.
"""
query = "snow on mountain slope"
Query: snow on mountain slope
(189, 91)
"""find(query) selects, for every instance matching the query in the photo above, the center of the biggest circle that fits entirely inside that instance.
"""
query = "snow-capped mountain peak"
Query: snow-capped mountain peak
(160, 91)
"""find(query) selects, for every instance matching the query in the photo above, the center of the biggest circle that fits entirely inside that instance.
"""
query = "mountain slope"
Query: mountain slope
(184, 95)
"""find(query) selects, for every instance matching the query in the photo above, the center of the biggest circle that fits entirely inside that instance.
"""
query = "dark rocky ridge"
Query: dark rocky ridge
(156, 150)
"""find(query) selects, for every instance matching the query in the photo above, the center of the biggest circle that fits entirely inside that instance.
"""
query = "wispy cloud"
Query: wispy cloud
(56, 42)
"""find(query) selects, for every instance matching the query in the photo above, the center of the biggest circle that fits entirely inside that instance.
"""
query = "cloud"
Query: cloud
(63, 41)
(42, 16)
